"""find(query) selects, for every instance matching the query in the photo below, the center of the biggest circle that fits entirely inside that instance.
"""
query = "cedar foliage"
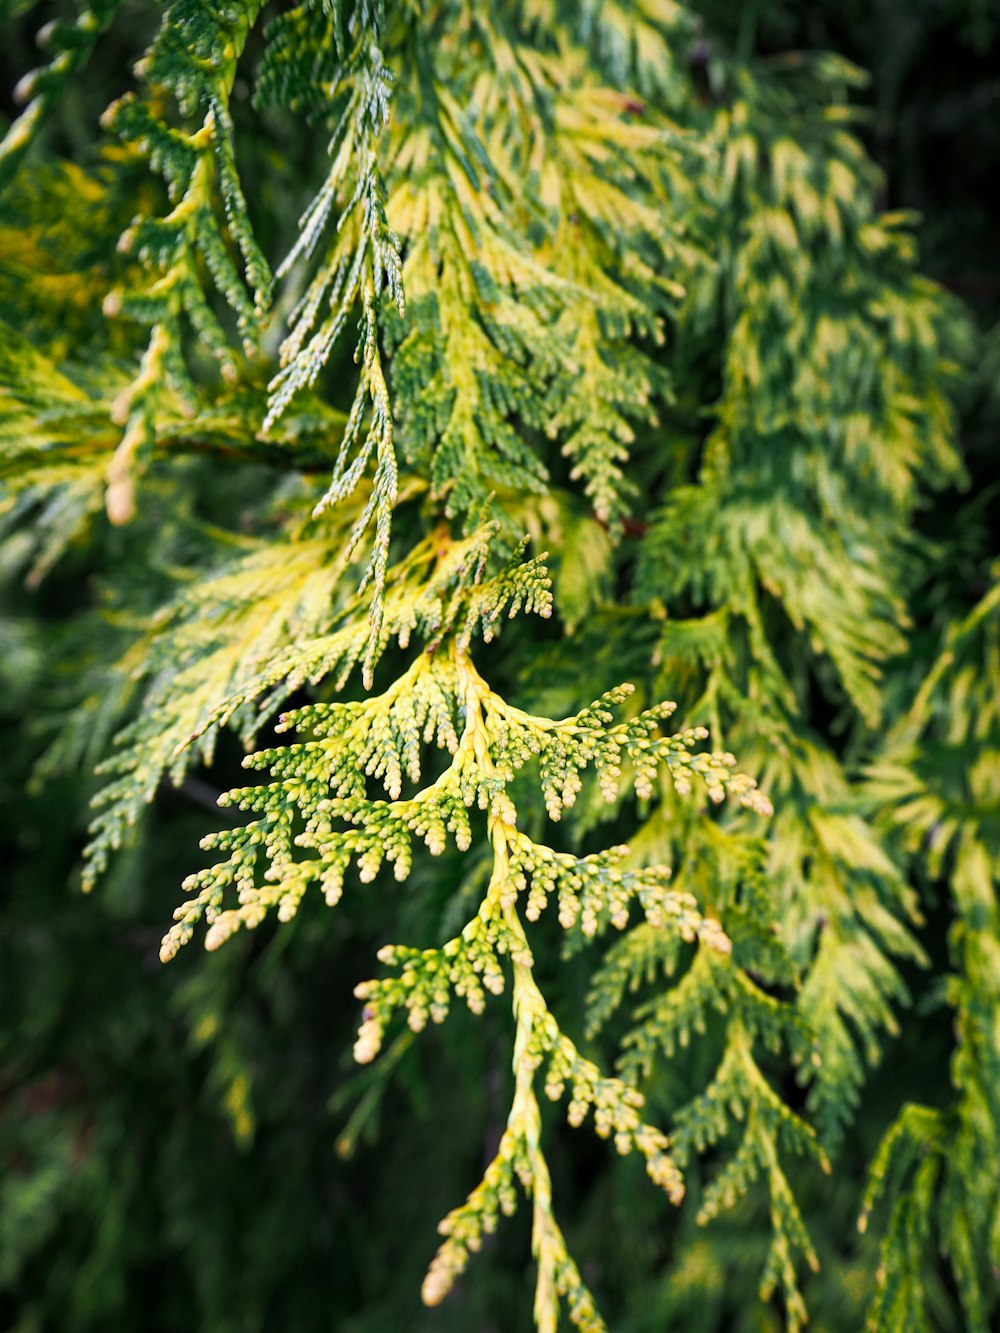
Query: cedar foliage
(482, 422)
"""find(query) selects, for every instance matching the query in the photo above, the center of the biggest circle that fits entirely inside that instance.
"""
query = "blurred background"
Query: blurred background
(191, 1147)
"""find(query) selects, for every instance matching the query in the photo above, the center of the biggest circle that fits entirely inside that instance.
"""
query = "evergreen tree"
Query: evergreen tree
(482, 422)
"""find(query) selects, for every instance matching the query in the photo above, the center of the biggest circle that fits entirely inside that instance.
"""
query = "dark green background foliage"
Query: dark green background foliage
(801, 552)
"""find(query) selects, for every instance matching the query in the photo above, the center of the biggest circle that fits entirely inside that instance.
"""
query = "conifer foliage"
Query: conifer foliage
(481, 418)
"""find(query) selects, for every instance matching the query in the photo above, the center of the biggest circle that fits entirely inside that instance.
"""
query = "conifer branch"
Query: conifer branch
(324, 780)
(72, 44)
(648, 295)
(194, 57)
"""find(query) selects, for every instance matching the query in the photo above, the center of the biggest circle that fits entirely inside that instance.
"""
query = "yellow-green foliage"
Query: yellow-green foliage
(558, 276)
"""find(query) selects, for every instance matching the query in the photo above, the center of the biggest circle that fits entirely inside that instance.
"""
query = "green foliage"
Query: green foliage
(937, 786)
(71, 44)
(336, 313)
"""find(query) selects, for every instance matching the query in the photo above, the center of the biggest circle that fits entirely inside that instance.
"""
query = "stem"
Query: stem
(525, 1119)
